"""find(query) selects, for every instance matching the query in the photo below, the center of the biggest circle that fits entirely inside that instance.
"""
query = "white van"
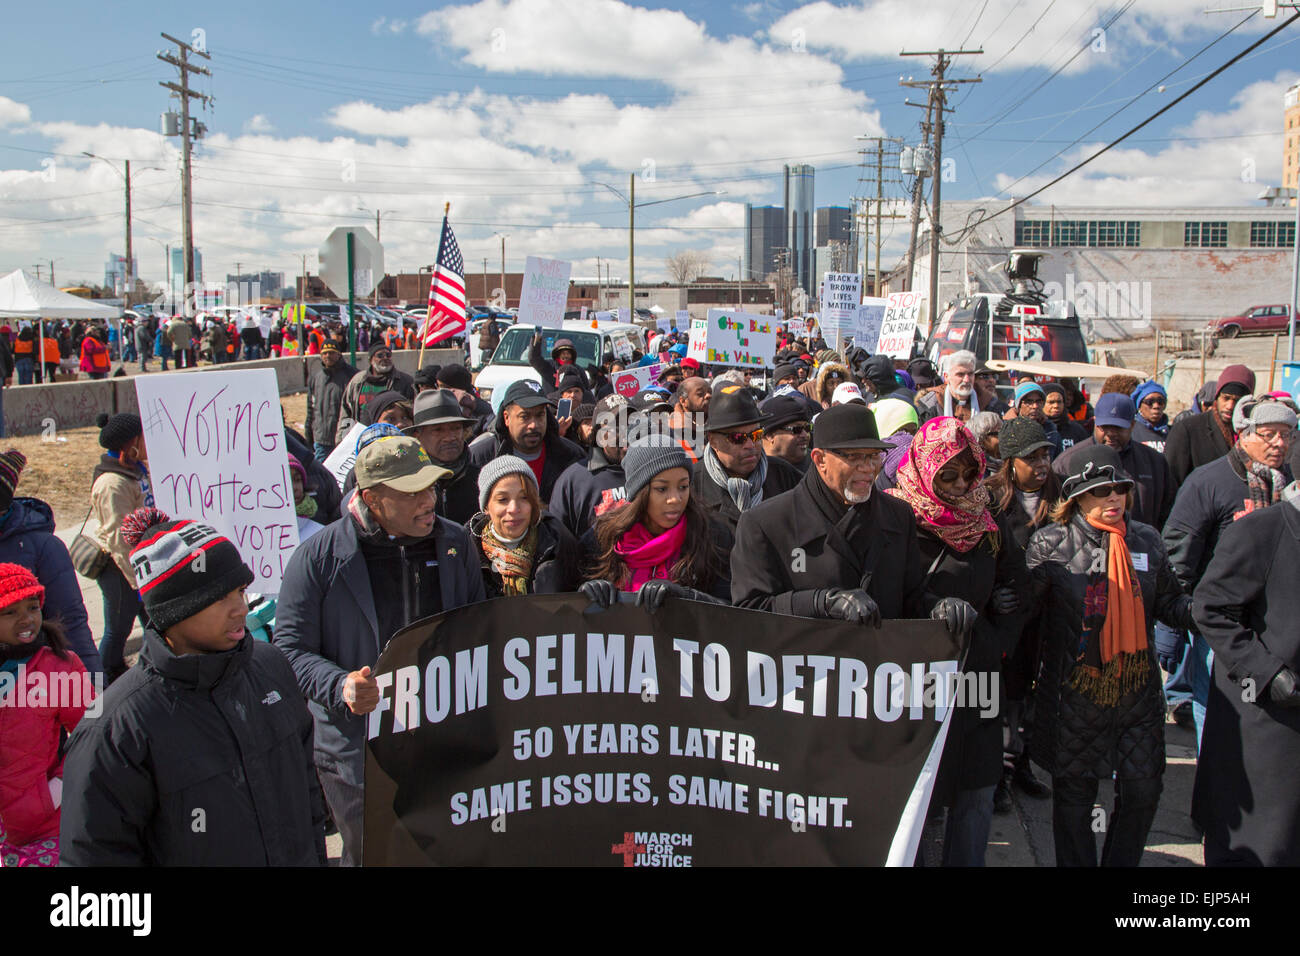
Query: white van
(510, 361)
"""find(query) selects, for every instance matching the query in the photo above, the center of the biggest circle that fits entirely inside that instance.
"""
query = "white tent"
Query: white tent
(25, 297)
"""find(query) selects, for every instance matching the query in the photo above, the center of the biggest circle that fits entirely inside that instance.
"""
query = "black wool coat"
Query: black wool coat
(781, 477)
(556, 564)
(1192, 442)
(1245, 797)
(458, 495)
(1073, 736)
(786, 550)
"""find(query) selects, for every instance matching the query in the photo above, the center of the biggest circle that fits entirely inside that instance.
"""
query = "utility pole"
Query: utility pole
(939, 88)
(599, 297)
(183, 90)
(485, 288)
(239, 282)
(130, 272)
(883, 147)
(631, 248)
(505, 299)
(52, 271)
(37, 267)
(740, 267)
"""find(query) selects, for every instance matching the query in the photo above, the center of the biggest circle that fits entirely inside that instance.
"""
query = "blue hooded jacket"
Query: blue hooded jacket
(27, 538)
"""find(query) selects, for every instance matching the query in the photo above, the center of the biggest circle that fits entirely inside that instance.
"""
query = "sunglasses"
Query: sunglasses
(739, 438)
(1105, 491)
(796, 430)
(1155, 400)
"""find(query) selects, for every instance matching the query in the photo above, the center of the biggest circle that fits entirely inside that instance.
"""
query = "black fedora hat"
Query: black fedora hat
(847, 426)
(732, 406)
(438, 406)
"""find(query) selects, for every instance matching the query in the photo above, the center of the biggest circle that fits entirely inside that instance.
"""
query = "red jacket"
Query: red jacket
(29, 743)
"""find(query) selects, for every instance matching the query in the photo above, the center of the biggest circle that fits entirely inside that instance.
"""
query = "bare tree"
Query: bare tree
(686, 266)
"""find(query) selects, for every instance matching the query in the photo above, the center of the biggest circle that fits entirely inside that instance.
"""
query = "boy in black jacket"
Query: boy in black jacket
(203, 753)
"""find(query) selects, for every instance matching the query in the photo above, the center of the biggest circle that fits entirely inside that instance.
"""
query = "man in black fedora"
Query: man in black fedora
(439, 426)
(737, 475)
(788, 431)
(833, 548)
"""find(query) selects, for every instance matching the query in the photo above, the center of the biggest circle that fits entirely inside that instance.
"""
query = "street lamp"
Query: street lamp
(632, 206)
(126, 178)
(1272, 194)
(505, 300)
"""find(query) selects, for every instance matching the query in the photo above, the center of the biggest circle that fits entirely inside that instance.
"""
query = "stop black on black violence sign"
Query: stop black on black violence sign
(697, 735)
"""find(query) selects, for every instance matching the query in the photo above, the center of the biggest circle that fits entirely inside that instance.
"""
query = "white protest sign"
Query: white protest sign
(545, 292)
(867, 319)
(898, 327)
(683, 319)
(627, 383)
(727, 337)
(841, 294)
(217, 455)
(606, 316)
(344, 456)
(665, 325)
(797, 327)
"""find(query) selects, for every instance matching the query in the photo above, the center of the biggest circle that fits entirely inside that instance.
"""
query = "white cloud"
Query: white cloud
(13, 113)
(258, 124)
(385, 25)
(1226, 171)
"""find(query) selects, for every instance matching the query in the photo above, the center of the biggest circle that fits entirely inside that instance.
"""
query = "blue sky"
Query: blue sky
(516, 111)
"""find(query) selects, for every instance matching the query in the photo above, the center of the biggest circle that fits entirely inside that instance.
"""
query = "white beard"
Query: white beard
(856, 499)
(961, 392)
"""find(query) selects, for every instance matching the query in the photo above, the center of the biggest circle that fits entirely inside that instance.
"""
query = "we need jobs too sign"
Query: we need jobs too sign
(217, 455)
(726, 337)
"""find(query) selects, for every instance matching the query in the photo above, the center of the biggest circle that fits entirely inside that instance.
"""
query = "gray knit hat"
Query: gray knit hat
(647, 457)
(1262, 411)
(498, 468)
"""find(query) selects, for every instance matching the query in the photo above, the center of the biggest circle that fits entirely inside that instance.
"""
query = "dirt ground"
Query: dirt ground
(59, 467)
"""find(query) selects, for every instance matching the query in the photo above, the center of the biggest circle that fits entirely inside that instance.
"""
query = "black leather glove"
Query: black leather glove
(599, 592)
(1004, 600)
(652, 594)
(958, 615)
(855, 606)
(1284, 688)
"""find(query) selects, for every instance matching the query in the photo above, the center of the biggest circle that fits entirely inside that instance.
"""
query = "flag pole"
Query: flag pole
(433, 280)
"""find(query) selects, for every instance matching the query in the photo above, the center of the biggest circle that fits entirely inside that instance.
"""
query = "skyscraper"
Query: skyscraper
(764, 235)
(799, 223)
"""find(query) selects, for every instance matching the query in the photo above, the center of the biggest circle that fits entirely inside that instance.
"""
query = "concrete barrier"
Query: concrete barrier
(27, 409)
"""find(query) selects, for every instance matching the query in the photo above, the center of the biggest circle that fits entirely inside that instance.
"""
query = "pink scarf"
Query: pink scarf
(649, 556)
(959, 524)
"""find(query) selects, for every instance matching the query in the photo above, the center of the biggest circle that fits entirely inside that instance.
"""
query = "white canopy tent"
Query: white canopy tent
(23, 296)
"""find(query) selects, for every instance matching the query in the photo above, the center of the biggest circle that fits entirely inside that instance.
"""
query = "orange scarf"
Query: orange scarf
(1112, 658)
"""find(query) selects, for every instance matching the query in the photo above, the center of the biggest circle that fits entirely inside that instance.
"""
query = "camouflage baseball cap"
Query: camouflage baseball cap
(400, 463)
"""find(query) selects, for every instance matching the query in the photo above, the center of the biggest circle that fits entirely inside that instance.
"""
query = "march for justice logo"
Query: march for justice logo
(654, 849)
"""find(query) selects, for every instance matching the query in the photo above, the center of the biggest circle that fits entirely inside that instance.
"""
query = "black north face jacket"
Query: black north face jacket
(197, 760)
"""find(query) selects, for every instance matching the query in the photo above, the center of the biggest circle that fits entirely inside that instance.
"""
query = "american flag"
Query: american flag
(446, 291)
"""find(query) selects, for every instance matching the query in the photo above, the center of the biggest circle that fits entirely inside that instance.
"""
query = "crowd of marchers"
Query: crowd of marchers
(1115, 570)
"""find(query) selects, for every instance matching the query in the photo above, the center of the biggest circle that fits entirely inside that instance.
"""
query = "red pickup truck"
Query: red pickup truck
(1258, 318)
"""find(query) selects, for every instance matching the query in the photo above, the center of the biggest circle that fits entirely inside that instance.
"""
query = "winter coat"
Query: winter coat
(550, 371)
(180, 333)
(216, 339)
(222, 740)
(584, 494)
(29, 742)
(325, 387)
(560, 452)
(458, 495)
(1071, 432)
(1153, 438)
(781, 477)
(144, 337)
(114, 493)
(1153, 494)
(723, 544)
(556, 563)
(818, 389)
(764, 574)
(350, 407)
(162, 343)
(1210, 500)
(327, 625)
(27, 538)
(972, 754)
(1245, 798)
(1072, 736)
(94, 356)
(1192, 442)
(929, 404)
(1021, 630)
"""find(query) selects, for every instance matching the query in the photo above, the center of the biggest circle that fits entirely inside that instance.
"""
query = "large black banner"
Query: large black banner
(541, 730)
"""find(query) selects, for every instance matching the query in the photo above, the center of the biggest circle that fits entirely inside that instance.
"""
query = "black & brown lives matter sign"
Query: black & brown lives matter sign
(541, 730)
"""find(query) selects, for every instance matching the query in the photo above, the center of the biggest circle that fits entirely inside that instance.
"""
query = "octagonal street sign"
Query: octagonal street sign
(367, 261)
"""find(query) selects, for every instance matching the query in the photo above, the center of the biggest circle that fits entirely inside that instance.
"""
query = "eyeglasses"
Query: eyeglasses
(1275, 437)
(803, 429)
(739, 438)
(860, 459)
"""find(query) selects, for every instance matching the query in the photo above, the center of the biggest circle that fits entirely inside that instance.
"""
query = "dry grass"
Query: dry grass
(58, 472)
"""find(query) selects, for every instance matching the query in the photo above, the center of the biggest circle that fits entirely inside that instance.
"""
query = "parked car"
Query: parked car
(1256, 319)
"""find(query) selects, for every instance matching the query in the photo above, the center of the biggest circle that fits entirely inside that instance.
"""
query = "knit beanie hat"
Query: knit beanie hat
(1149, 387)
(1025, 389)
(499, 468)
(376, 345)
(647, 457)
(18, 584)
(182, 567)
(12, 464)
(118, 430)
(296, 465)
(1262, 411)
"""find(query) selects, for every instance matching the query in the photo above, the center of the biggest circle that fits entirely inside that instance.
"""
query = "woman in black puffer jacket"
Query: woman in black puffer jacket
(1102, 581)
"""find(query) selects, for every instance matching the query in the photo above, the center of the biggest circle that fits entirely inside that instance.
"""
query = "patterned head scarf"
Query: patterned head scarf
(959, 524)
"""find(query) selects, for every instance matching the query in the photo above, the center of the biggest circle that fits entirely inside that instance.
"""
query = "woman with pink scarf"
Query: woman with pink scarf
(660, 542)
(941, 477)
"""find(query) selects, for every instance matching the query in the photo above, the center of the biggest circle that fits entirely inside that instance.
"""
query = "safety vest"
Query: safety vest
(51, 351)
(23, 347)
